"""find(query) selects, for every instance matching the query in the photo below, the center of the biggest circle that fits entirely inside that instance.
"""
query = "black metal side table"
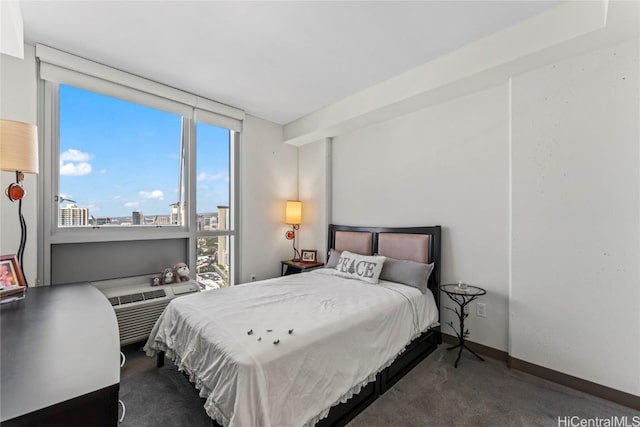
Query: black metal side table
(462, 297)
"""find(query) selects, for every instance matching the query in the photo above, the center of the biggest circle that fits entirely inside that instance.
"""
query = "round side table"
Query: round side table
(462, 297)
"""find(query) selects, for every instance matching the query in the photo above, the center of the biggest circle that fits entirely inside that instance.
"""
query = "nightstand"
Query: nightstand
(293, 267)
(462, 297)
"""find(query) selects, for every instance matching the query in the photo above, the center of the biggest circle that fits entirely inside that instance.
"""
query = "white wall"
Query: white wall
(536, 182)
(18, 102)
(314, 162)
(268, 178)
(575, 297)
(446, 165)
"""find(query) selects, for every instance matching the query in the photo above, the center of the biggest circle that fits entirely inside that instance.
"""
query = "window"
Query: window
(120, 163)
(213, 196)
(133, 170)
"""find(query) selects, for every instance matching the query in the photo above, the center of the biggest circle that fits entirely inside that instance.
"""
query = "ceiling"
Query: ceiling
(275, 60)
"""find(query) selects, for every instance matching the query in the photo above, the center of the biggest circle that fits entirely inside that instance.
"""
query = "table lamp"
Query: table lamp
(19, 154)
(293, 216)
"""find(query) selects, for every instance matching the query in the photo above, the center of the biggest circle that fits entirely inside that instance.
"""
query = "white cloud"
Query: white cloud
(202, 176)
(103, 172)
(117, 196)
(155, 194)
(131, 205)
(73, 155)
(75, 169)
(74, 163)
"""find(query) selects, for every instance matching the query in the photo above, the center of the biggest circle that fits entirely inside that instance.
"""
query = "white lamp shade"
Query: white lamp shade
(18, 146)
(293, 212)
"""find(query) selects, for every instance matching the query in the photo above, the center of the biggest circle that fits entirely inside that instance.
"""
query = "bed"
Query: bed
(313, 348)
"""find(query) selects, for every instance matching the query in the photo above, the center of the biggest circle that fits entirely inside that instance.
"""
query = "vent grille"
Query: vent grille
(154, 294)
(137, 297)
(138, 307)
(136, 322)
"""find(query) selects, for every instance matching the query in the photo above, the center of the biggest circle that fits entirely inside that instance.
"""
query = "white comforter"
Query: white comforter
(344, 332)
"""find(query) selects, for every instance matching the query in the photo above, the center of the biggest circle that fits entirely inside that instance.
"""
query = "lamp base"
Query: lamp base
(296, 255)
(291, 235)
(15, 191)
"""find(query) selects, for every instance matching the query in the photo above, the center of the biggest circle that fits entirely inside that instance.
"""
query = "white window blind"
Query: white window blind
(62, 67)
(206, 116)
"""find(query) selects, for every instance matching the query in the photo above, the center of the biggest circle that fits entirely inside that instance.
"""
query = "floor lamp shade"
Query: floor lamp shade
(18, 146)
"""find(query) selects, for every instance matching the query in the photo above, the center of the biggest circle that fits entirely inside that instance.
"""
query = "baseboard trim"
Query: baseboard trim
(491, 352)
(576, 383)
(604, 392)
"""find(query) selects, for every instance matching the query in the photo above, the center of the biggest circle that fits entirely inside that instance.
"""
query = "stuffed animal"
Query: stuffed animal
(167, 276)
(181, 272)
(156, 281)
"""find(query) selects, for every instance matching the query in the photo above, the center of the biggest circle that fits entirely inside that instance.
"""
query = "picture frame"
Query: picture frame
(10, 272)
(309, 255)
(12, 283)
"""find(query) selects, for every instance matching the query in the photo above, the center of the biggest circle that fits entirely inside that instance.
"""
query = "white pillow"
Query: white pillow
(361, 267)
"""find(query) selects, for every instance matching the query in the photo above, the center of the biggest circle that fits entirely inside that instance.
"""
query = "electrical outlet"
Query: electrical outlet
(481, 309)
(253, 277)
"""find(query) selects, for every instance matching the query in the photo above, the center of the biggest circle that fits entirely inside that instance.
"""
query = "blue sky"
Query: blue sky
(117, 157)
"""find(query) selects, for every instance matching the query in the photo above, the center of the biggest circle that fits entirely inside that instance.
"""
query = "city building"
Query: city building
(71, 215)
(137, 218)
(102, 220)
(223, 250)
(177, 213)
(161, 220)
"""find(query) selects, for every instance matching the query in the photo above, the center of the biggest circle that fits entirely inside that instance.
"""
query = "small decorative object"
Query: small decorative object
(181, 271)
(290, 331)
(10, 272)
(462, 285)
(12, 283)
(167, 276)
(156, 281)
(276, 342)
(309, 255)
(259, 338)
(250, 332)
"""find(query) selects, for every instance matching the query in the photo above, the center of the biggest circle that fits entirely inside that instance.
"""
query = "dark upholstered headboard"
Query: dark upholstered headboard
(409, 241)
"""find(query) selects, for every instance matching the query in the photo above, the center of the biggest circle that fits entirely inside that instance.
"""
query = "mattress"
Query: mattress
(282, 352)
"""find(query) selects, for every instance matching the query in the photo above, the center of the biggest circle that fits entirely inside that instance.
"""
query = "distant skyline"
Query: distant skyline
(117, 157)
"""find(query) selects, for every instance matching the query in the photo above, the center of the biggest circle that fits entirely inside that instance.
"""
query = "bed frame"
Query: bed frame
(414, 353)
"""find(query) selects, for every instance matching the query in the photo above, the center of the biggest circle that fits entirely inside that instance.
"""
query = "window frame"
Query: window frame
(48, 226)
(232, 229)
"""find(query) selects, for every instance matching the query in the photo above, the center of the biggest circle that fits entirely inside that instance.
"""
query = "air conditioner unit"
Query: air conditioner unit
(138, 307)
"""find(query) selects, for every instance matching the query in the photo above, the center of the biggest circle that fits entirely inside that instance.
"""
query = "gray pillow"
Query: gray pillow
(415, 274)
(334, 257)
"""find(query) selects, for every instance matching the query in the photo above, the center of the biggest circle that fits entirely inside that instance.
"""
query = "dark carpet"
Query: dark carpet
(434, 393)
(161, 397)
